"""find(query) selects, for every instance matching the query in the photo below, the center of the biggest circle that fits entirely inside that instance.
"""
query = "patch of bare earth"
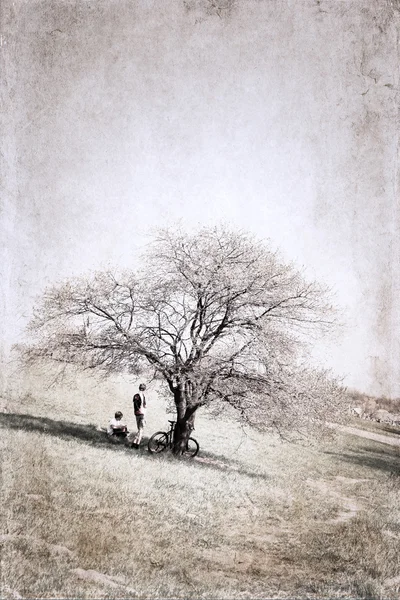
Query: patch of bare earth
(98, 578)
(350, 506)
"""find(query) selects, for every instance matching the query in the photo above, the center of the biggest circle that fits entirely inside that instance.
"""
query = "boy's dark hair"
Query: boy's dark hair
(118, 414)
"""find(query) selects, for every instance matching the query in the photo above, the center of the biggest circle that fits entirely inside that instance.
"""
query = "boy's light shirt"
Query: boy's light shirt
(142, 408)
(115, 423)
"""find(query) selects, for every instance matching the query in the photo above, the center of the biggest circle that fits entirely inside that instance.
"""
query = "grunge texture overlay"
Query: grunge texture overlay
(277, 117)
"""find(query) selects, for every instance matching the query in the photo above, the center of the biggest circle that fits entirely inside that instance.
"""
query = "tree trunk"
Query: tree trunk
(186, 412)
(183, 429)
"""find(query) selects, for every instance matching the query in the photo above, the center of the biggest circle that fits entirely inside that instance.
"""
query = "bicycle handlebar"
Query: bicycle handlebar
(191, 427)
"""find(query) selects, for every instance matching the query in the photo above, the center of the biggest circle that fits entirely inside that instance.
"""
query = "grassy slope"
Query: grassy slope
(253, 517)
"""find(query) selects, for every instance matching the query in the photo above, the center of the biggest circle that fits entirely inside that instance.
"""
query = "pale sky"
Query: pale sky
(278, 117)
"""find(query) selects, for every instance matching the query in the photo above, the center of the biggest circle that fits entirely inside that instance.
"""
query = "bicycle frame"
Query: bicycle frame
(156, 445)
(170, 433)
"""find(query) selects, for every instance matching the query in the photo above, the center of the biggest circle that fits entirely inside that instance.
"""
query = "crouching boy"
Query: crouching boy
(117, 427)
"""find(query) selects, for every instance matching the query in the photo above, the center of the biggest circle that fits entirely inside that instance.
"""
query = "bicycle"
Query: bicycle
(162, 440)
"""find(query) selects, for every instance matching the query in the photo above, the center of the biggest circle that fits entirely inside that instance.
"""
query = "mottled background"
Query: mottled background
(277, 116)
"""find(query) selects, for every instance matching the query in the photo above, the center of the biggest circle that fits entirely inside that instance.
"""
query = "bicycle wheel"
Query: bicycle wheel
(192, 447)
(158, 442)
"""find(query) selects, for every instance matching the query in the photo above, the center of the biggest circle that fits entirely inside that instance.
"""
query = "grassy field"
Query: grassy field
(251, 517)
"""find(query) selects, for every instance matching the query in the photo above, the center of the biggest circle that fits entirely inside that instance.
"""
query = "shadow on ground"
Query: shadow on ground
(92, 436)
(393, 430)
(387, 459)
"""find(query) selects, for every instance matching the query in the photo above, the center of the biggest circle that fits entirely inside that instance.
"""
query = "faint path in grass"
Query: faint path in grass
(369, 435)
(88, 575)
(350, 506)
(101, 579)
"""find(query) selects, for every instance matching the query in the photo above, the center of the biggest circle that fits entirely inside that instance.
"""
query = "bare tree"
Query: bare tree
(217, 315)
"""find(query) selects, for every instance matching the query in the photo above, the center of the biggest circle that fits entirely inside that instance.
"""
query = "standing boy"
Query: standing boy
(139, 406)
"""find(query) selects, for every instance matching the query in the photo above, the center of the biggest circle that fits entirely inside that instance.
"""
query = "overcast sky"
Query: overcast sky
(276, 116)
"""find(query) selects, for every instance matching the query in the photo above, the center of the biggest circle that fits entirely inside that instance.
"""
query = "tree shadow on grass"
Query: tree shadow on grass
(392, 430)
(387, 459)
(66, 430)
(92, 436)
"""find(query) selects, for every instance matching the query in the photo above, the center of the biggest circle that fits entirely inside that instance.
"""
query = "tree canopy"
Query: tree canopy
(218, 315)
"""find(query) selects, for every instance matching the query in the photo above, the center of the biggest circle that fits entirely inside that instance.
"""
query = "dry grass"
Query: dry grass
(253, 517)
